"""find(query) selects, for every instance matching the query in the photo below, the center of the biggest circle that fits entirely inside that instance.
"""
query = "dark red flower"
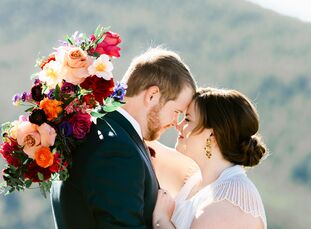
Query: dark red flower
(56, 167)
(89, 99)
(7, 150)
(101, 88)
(32, 172)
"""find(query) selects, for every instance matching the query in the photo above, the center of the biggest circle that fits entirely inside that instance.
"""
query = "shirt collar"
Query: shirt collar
(130, 118)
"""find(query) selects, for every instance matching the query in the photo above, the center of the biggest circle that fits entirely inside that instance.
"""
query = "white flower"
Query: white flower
(51, 74)
(101, 67)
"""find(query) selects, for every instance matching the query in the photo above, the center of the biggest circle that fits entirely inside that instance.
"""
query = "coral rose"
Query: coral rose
(28, 137)
(32, 137)
(74, 63)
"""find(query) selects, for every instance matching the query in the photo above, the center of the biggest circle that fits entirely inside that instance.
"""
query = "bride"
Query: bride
(219, 133)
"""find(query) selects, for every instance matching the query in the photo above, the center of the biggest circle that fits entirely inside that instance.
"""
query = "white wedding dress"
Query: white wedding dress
(232, 185)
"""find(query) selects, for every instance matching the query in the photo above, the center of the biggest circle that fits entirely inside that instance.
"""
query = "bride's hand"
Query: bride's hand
(164, 207)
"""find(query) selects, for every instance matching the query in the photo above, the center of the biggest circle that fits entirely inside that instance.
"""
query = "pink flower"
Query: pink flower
(81, 125)
(74, 64)
(28, 137)
(109, 45)
(47, 134)
(32, 137)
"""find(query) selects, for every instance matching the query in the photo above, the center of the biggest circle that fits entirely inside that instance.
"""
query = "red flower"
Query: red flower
(51, 57)
(32, 172)
(101, 88)
(7, 153)
(89, 99)
(109, 45)
(56, 167)
(81, 125)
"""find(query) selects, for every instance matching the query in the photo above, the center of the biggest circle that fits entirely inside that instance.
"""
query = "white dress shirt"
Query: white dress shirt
(130, 118)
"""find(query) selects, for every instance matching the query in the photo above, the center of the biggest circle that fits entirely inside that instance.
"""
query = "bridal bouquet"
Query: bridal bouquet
(74, 84)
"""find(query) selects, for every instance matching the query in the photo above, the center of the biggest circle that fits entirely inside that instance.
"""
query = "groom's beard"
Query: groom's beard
(153, 123)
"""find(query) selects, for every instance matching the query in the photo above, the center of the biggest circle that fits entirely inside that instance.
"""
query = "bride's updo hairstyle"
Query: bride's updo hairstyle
(235, 124)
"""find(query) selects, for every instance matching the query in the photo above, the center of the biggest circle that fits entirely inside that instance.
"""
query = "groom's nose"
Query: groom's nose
(175, 120)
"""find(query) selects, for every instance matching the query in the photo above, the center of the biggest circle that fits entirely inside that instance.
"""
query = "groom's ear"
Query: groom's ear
(152, 96)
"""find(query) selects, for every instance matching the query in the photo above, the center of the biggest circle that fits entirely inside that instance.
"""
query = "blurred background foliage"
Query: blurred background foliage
(226, 43)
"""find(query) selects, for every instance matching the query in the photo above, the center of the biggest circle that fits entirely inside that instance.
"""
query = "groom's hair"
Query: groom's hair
(158, 67)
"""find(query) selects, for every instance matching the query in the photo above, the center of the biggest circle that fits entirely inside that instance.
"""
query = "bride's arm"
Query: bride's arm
(172, 167)
(223, 215)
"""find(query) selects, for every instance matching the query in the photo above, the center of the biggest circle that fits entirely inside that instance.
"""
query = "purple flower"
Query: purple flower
(15, 98)
(24, 96)
(51, 94)
(66, 128)
(119, 91)
(68, 87)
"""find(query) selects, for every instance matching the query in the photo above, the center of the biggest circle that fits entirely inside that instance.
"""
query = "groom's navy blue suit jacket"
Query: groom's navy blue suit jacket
(112, 183)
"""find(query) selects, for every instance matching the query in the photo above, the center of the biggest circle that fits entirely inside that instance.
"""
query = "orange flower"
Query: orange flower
(44, 157)
(52, 108)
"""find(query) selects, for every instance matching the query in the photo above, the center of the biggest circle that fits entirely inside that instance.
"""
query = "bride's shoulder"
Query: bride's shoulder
(235, 200)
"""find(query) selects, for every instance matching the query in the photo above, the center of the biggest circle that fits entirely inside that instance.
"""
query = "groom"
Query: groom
(112, 183)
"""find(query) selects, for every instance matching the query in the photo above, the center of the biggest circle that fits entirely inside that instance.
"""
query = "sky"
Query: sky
(300, 9)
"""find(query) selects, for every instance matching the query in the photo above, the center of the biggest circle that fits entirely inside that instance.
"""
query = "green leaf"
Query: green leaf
(96, 114)
(97, 31)
(42, 190)
(100, 40)
(56, 92)
(40, 176)
(106, 29)
(28, 183)
(69, 40)
(112, 106)
(29, 109)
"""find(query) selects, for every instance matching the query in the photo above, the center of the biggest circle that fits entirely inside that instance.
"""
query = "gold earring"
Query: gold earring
(208, 147)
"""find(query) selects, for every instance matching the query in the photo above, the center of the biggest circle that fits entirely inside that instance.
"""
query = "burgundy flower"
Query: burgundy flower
(32, 172)
(68, 87)
(38, 117)
(36, 92)
(81, 124)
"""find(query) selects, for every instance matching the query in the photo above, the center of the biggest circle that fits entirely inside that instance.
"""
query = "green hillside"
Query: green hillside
(226, 43)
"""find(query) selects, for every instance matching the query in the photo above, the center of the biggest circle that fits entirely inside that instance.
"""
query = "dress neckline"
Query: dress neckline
(224, 175)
